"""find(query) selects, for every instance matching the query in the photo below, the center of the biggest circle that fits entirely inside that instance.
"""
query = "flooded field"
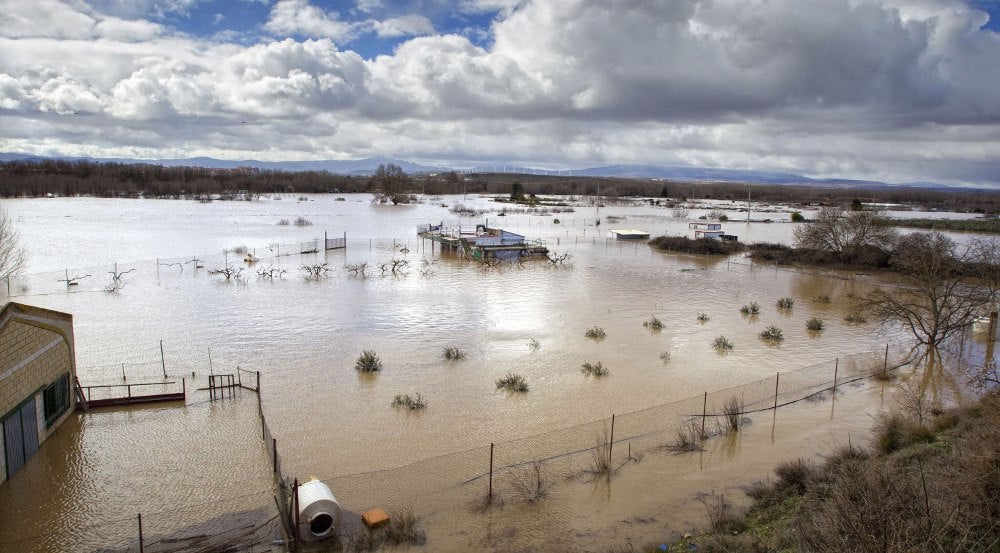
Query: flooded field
(304, 336)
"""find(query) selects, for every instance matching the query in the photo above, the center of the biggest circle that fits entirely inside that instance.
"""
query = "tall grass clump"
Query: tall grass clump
(665, 356)
(814, 324)
(855, 318)
(732, 414)
(452, 352)
(689, 438)
(753, 308)
(410, 402)
(772, 334)
(594, 369)
(596, 333)
(302, 222)
(512, 382)
(721, 344)
(653, 324)
(786, 303)
(600, 456)
(368, 362)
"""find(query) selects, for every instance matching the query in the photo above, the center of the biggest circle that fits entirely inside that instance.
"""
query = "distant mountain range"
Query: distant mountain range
(369, 165)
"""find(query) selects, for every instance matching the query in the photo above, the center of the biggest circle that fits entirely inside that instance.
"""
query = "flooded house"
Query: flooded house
(37, 375)
(484, 242)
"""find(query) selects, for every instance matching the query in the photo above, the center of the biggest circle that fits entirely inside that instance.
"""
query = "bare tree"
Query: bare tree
(392, 185)
(315, 272)
(357, 269)
(229, 273)
(846, 233)
(935, 298)
(12, 255)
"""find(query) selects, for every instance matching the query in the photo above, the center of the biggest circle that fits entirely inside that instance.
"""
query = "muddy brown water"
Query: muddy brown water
(182, 465)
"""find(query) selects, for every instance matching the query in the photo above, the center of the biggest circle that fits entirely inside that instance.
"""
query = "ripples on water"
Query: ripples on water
(304, 337)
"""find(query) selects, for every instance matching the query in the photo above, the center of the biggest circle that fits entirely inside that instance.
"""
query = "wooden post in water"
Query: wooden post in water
(611, 442)
(885, 363)
(295, 506)
(163, 362)
(124, 379)
(704, 413)
(142, 547)
(777, 377)
(274, 453)
(489, 495)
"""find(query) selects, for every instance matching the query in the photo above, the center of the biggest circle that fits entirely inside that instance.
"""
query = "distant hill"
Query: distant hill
(369, 165)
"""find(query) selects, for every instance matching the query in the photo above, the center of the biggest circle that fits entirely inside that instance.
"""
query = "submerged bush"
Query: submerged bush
(815, 324)
(595, 369)
(411, 403)
(512, 382)
(752, 309)
(722, 344)
(653, 324)
(855, 318)
(703, 318)
(534, 344)
(772, 334)
(823, 298)
(785, 303)
(596, 333)
(665, 356)
(368, 362)
(452, 352)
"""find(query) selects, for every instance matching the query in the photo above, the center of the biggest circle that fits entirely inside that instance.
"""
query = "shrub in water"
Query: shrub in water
(595, 369)
(653, 324)
(597, 333)
(512, 382)
(722, 344)
(451, 352)
(752, 309)
(368, 362)
(703, 318)
(411, 403)
(815, 324)
(785, 303)
(772, 334)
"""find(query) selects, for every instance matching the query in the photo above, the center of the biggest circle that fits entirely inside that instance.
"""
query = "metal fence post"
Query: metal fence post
(489, 494)
(611, 441)
(163, 362)
(274, 454)
(885, 363)
(142, 547)
(704, 413)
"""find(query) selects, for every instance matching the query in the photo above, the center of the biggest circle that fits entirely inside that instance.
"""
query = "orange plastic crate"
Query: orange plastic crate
(374, 518)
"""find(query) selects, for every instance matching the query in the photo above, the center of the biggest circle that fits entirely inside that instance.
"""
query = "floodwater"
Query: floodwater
(303, 335)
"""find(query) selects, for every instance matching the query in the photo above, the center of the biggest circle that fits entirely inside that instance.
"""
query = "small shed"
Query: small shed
(708, 234)
(629, 234)
(37, 379)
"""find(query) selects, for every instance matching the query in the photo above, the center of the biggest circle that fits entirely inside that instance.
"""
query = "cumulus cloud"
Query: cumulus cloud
(407, 25)
(889, 89)
(300, 18)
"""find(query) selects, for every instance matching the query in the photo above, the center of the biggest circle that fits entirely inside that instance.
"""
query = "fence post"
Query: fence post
(777, 377)
(885, 363)
(163, 362)
(274, 454)
(611, 442)
(704, 413)
(836, 365)
(295, 507)
(142, 547)
(489, 495)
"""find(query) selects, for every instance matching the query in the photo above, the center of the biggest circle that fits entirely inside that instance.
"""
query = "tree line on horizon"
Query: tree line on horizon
(38, 178)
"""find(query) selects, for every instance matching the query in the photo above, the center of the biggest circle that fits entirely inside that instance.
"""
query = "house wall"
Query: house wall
(36, 350)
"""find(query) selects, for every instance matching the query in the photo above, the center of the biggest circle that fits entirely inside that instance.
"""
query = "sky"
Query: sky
(890, 90)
